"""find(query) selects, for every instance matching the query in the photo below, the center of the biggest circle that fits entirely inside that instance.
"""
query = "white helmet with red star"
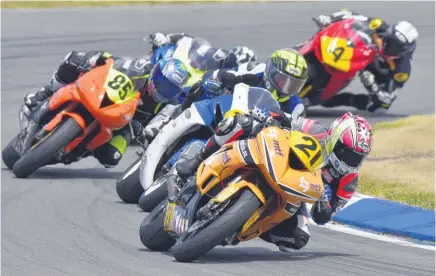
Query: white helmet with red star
(349, 142)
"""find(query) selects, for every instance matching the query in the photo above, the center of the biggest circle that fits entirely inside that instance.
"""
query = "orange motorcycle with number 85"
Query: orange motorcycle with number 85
(335, 54)
(238, 193)
(76, 120)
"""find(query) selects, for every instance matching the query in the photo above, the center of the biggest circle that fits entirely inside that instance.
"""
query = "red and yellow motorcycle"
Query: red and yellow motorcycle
(76, 120)
(335, 55)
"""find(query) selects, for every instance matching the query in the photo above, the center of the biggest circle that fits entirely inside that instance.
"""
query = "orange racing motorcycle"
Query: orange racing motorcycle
(77, 119)
(238, 193)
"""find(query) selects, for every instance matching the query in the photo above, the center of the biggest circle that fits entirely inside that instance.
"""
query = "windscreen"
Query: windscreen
(261, 98)
(202, 56)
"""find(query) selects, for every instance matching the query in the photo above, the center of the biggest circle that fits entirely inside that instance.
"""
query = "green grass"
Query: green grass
(390, 125)
(63, 4)
(396, 192)
(401, 165)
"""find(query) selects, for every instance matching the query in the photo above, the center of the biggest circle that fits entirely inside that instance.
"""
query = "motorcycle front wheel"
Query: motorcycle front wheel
(43, 152)
(128, 186)
(152, 232)
(153, 195)
(195, 244)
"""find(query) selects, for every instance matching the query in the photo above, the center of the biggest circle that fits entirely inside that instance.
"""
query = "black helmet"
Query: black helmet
(399, 40)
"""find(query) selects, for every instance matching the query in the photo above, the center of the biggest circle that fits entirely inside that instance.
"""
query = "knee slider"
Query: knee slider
(111, 153)
(108, 155)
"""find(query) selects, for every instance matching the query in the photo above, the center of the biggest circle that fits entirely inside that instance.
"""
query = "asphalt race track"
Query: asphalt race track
(69, 220)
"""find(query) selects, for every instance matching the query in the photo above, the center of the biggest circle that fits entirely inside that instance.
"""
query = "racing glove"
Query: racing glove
(323, 20)
(368, 80)
(242, 54)
(159, 39)
(322, 210)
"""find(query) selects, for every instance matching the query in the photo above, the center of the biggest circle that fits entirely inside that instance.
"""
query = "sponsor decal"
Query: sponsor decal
(304, 184)
(327, 176)
(277, 149)
(225, 158)
(315, 187)
(177, 78)
(334, 173)
(273, 133)
(243, 147)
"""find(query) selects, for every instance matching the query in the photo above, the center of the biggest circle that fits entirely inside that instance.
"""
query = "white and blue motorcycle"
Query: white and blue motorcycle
(191, 51)
(195, 125)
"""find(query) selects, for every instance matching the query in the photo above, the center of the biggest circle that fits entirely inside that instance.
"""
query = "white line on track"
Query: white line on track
(374, 236)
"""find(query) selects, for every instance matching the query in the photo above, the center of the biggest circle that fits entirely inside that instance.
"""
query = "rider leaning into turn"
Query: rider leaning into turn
(347, 143)
(225, 58)
(388, 73)
(154, 82)
(283, 75)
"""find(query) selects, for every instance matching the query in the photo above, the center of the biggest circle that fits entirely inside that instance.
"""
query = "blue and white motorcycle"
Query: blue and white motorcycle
(191, 51)
(195, 125)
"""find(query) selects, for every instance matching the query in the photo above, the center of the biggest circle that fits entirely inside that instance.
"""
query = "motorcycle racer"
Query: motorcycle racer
(158, 84)
(159, 81)
(389, 72)
(283, 75)
(221, 57)
(347, 142)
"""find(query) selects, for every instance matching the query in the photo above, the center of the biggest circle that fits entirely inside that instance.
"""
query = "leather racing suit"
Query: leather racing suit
(292, 233)
(76, 63)
(382, 78)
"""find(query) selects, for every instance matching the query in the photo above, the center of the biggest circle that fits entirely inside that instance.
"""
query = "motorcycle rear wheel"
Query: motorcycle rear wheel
(152, 232)
(9, 154)
(47, 148)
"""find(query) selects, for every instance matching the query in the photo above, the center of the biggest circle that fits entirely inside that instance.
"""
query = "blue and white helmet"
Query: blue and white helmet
(167, 79)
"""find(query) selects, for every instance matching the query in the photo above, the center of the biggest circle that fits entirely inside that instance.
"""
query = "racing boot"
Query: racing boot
(187, 168)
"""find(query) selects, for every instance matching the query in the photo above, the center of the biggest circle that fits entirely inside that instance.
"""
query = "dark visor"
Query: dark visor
(348, 156)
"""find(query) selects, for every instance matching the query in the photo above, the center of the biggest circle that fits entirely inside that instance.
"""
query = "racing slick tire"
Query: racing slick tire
(154, 195)
(188, 248)
(9, 154)
(152, 232)
(128, 186)
(44, 151)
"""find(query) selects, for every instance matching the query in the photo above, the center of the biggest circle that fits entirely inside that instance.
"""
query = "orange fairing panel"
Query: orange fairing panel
(221, 165)
(88, 89)
(118, 115)
(274, 145)
(301, 186)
